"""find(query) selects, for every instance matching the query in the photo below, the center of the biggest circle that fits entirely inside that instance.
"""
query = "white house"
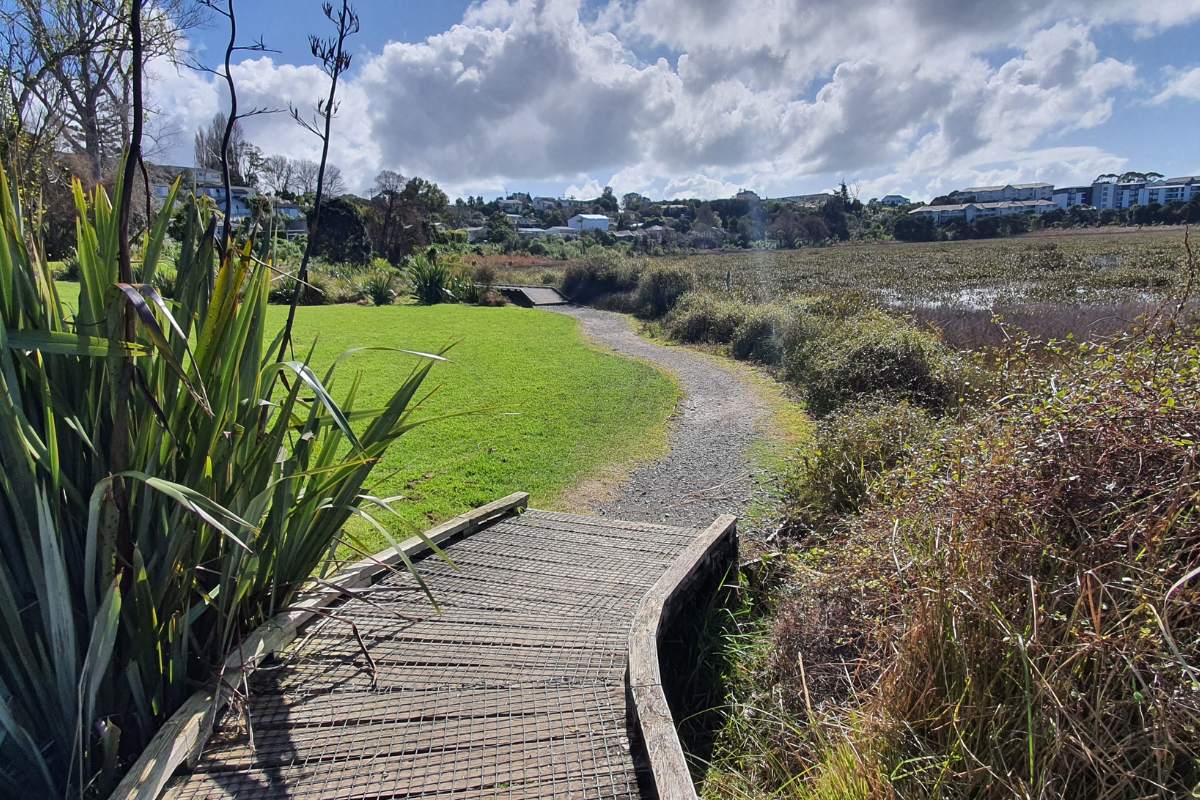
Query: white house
(894, 200)
(589, 222)
(1170, 190)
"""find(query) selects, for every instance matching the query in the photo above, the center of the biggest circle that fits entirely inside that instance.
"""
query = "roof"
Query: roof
(972, 189)
(589, 216)
(955, 207)
(996, 204)
(1061, 189)
(1031, 185)
(1180, 181)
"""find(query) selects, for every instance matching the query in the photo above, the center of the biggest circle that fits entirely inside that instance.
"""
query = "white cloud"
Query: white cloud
(1183, 85)
(775, 95)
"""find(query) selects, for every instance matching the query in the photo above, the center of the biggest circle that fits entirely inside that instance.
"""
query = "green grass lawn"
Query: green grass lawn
(555, 409)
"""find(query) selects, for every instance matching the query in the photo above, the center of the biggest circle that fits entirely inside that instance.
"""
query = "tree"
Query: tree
(245, 160)
(342, 236)
(335, 184)
(500, 229)
(68, 67)
(403, 213)
(607, 200)
(305, 175)
(278, 174)
(385, 203)
(834, 215)
(915, 228)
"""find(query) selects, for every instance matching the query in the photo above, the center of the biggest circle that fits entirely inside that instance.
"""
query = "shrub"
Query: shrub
(485, 276)
(429, 279)
(548, 278)
(602, 272)
(1053, 620)
(703, 317)
(1018, 608)
(378, 286)
(492, 299)
(869, 354)
(852, 448)
(660, 289)
(70, 268)
(314, 292)
(759, 337)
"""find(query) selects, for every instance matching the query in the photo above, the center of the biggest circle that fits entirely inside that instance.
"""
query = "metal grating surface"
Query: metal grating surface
(514, 688)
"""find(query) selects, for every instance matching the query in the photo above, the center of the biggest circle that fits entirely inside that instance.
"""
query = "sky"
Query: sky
(701, 98)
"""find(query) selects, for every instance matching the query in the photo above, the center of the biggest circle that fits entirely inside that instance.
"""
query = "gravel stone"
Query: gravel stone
(707, 472)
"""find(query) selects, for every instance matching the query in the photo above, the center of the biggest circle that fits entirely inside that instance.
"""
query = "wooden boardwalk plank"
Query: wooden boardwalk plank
(514, 686)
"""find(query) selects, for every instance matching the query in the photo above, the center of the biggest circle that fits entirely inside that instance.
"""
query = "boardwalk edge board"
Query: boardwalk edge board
(183, 734)
(652, 713)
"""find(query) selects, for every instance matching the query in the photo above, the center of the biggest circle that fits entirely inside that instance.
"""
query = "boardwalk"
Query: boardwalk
(515, 688)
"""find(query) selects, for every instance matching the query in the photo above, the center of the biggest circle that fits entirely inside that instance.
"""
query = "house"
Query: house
(201, 182)
(1070, 196)
(295, 222)
(516, 201)
(589, 222)
(1170, 190)
(747, 195)
(969, 212)
(544, 203)
(1010, 191)
(894, 200)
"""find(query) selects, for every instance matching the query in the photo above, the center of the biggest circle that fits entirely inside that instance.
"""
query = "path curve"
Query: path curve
(707, 471)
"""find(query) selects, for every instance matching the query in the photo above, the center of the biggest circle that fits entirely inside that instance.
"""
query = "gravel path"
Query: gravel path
(706, 473)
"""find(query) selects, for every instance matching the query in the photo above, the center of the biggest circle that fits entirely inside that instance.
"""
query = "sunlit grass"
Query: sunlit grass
(552, 409)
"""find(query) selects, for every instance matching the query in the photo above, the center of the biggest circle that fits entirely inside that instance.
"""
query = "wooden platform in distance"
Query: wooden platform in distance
(531, 296)
(515, 688)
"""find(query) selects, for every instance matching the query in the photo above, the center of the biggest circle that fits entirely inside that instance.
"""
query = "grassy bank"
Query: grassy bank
(552, 408)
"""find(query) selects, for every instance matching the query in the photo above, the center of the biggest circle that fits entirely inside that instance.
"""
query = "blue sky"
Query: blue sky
(702, 97)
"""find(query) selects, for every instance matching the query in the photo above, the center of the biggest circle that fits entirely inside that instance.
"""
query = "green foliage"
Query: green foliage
(869, 354)
(378, 286)
(852, 448)
(706, 318)
(317, 290)
(602, 272)
(660, 289)
(238, 487)
(342, 236)
(429, 279)
(759, 336)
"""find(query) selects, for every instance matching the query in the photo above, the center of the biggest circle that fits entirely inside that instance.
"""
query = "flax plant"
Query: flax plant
(242, 471)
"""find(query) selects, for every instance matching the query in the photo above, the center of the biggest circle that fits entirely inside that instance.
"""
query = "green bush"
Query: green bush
(869, 354)
(316, 291)
(660, 289)
(759, 337)
(705, 318)
(429, 279)
(378, 286)
(853, 447)
(602, 272)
